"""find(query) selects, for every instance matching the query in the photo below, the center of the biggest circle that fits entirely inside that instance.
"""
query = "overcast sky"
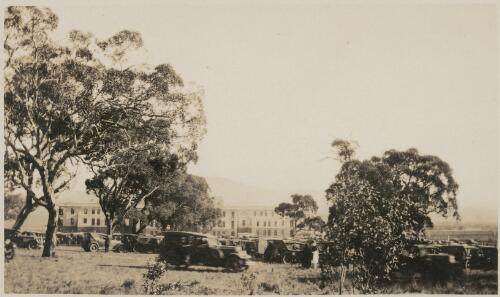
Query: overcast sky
(283, 79)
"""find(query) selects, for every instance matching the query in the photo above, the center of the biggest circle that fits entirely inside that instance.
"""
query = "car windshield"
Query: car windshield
(212, 241)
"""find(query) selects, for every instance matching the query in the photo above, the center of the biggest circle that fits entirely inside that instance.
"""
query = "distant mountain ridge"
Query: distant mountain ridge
(236, 193)
(240, 194)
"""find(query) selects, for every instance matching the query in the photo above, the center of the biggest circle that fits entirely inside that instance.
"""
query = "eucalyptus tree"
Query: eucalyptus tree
(300, 211)
(378, 207)
(80, 102)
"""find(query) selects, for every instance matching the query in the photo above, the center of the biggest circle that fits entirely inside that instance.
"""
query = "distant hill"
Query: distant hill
(236, 193)
(240, 194)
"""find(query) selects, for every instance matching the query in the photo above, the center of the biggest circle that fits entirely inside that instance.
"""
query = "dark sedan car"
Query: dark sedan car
(191, 248)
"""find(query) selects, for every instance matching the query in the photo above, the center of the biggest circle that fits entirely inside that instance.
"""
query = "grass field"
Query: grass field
(77, 272)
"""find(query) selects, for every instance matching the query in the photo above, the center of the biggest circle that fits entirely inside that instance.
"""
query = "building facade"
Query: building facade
(88, 217)
(258, 221)
(81, 217)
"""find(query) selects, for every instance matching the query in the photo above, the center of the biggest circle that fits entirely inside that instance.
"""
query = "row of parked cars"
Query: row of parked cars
(122, 243)
(26, 239)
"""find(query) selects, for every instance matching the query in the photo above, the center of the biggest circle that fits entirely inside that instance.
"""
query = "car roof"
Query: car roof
(188, 233)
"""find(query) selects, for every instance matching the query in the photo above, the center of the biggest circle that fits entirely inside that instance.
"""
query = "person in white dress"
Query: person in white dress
(315, 258)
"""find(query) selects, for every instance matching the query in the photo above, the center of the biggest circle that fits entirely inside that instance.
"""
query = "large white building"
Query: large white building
(259, 221)
(86, 217)
(81, 216)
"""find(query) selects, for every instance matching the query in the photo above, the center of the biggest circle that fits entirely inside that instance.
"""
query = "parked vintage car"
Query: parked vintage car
(92, 242)
(128, 243)
(9, 249)
(250, 246)
(148, 244)
(284, 251)
(30, 240)
(427, 261)
(463, 253)
(485, 258)
(191, 248)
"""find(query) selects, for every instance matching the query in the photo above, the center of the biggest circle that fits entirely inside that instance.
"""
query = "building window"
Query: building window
(269, 223)
(291, 223)
(85, 211)
(85, 220)
(254, 213)
(232, 214)
(258, 223)
(232, 233)
(223, 232)
(223, 224)
(268, 232)
(98, 222)
(265, 213)
(61, 211)
(93, 211)
(275, 223)
(243, 223)
(232, 224)
(264, 223)
(223, 213)
(282, 223)
(72, 211)
(98, 211)
(93, 221)
(275, 232)
(261, 213)
(282, 232)
(72, 221)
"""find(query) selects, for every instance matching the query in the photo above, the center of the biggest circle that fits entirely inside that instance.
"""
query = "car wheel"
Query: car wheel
(93, 247)
(287, 259)
(32, 245)
(9, 254)
(234, 264)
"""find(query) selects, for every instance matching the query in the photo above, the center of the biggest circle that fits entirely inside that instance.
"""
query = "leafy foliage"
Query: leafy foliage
(80, 101)
(301, 208)
(12, 205)
(182, 204)
(379, 206)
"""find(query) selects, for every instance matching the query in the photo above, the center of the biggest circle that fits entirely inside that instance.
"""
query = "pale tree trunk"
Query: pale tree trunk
(28, 205)
(342, 278)
(49, 245)
(25, 211)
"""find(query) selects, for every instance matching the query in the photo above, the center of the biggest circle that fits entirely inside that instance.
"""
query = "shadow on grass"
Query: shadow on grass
(124, 266)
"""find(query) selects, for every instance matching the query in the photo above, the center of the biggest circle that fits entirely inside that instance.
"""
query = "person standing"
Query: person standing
(315, 255)
(106, 244)
(306, 256)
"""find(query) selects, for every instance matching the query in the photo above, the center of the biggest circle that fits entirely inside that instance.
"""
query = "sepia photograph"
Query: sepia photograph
(250, 147)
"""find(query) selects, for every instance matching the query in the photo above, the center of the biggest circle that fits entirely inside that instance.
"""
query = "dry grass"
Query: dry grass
(77, 272)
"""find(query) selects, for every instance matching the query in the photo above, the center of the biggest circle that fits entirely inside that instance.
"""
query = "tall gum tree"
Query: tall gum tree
(65, 102)
(381, 205)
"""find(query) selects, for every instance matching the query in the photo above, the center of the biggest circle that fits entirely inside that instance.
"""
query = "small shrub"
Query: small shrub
(128, 284)
(270, 287)
(248, 282)
(151, 278)
(106, 290)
